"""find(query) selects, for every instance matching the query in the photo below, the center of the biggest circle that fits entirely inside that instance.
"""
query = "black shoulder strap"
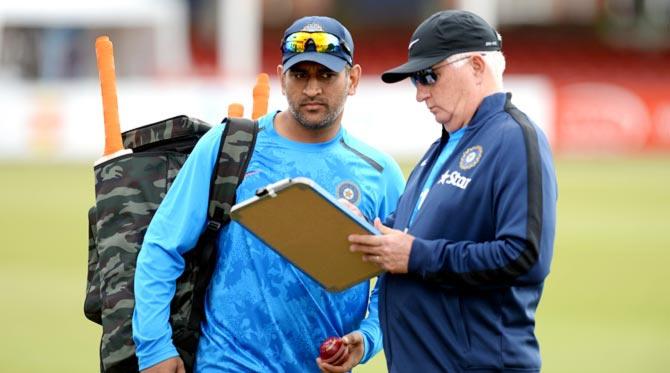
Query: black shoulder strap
(237, 144)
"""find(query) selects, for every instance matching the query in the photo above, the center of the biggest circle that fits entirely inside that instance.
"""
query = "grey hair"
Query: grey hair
(495, 60)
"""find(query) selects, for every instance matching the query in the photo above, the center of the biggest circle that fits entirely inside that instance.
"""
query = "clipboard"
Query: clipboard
(308, 227)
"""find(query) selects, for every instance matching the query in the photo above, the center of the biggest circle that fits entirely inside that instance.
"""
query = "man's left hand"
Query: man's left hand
(390, 250)
(356, 348)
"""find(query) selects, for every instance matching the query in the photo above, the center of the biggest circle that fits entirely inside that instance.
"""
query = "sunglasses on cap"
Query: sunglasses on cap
(323, 42)
(427, 77)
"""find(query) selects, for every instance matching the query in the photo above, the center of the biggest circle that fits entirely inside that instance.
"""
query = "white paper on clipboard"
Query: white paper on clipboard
(309, 227)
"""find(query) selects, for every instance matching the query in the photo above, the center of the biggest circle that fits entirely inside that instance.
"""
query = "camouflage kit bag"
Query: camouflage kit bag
(128, 190)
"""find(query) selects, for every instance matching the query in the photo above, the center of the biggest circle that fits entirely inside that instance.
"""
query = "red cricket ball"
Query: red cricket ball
(333, 351)
(329, 347)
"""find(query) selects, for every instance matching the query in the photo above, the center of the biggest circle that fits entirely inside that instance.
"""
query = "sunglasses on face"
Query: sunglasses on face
(428, 77)
(424, 77)
(323, 42)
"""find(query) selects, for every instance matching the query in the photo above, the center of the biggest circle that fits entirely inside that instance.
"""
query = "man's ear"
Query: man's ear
(478, 66)
(282, 77)
(354, 77)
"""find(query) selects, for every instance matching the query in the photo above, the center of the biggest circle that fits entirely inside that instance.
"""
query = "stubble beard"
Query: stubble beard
(328, 119)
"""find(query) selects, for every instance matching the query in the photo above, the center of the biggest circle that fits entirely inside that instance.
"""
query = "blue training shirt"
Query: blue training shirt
(262, 313)
(452, 141)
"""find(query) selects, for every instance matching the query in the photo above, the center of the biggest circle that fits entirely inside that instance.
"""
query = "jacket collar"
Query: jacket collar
(489, 106)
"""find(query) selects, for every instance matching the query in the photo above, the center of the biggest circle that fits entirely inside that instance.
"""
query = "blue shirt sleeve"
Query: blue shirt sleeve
(174, 230)
(370, 329)
(394, 183)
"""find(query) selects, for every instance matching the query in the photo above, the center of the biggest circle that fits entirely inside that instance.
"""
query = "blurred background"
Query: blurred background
(594, 74)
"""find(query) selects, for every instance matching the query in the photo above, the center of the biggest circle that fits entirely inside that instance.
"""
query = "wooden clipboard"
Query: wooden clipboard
(306, 225)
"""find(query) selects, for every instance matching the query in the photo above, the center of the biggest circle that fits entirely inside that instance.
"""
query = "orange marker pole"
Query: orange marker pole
(105, 55)
(261, 95)
(235, 110)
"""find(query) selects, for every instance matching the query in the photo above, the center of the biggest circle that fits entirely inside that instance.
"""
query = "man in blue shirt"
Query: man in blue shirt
(262, 313)
(470, 244)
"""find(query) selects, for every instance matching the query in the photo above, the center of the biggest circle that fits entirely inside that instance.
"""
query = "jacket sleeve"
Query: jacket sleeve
(174, 230)
(390, 220)
(394, 183)
(524, 208)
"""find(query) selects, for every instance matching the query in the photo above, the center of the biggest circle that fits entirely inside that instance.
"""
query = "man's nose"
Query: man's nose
(312, 88)
(422, 92)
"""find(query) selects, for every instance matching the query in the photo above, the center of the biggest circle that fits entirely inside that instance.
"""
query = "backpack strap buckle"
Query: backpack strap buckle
(213, 225)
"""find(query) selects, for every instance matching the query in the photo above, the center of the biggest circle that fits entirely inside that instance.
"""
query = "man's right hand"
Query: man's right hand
(172, 365)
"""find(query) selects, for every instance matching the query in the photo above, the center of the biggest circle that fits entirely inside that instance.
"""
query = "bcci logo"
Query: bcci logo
(312, 27)
(349, 191)
(471, 157)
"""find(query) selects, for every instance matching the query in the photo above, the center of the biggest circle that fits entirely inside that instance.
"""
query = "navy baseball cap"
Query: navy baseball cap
(333, 51)
(442, 35)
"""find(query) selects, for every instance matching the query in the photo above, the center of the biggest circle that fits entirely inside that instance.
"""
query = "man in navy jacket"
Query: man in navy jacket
(470, 243)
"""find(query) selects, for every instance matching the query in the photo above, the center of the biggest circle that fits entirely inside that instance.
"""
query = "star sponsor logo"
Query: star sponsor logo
(412, 43)
(454, 178)
(471, 157)
(349, 191)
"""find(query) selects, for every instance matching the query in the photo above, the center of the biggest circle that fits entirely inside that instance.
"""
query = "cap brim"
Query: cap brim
(407, 69)
(328, 60)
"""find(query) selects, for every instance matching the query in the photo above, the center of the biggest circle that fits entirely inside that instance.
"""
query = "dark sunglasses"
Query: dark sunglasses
(427, 77)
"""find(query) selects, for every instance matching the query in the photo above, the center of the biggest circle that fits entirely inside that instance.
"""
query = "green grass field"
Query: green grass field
(606, 307)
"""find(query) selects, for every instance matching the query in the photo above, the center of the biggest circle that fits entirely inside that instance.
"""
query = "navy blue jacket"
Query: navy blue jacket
(483, 246)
